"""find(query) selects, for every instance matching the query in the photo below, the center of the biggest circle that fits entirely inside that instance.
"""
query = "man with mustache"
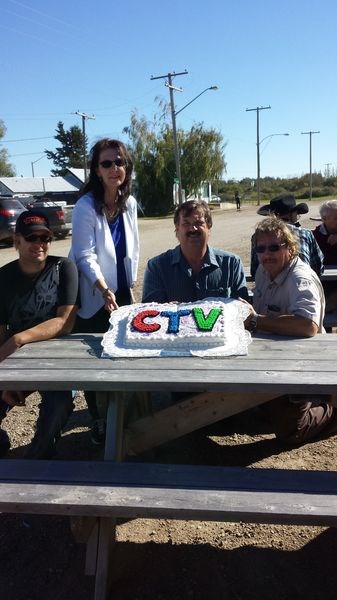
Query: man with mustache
(289, 300)
(193, 270)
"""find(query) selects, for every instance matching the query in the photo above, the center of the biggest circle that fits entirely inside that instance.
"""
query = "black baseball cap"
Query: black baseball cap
(30, 221)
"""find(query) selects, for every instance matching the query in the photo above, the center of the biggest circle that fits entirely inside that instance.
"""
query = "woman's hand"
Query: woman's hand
(110, 303)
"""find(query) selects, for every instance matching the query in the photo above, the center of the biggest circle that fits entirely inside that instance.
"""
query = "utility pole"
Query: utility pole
(168, 83)
(310, 134)
(327, 170)
(84, 117)
(257, 109)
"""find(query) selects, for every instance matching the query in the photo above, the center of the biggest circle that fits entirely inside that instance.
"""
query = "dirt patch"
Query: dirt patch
(165, 560)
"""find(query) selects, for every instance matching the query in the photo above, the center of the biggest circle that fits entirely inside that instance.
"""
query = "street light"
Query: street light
(258, 144)
(174, 113)
(33, 163)
(310, 134)
(84, 117)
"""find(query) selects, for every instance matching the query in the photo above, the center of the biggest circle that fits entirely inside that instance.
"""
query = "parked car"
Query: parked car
(10, 209)
(59, 216)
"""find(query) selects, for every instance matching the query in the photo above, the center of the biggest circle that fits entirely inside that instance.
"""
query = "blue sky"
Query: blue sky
(98, 58)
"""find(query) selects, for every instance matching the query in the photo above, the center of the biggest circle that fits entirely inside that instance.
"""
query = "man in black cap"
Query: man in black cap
(285, 208)
(38, 301)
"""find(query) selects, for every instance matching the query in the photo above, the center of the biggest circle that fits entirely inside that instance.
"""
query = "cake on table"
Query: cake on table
(210, 327)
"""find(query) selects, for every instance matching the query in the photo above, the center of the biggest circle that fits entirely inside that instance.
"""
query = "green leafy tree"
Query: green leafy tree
(152, 148)
(6, 169)
(70, 152)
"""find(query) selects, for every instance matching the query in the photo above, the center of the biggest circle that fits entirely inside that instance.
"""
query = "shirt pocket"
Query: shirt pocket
(219, 292)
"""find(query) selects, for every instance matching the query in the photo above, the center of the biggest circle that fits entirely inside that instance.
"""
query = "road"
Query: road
(231, 231)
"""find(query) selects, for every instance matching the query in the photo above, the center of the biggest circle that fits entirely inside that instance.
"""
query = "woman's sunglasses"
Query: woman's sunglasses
(107, 164)
(271, 248)
(42, 239)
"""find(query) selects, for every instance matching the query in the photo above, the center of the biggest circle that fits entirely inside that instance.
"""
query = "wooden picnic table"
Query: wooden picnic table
(274, 366)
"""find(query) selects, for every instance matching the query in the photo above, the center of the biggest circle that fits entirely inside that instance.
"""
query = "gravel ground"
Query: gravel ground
(165, 560)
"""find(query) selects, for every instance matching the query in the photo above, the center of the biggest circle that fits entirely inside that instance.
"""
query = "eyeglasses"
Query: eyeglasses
(42, 239)
(271, 248)
(118, 162)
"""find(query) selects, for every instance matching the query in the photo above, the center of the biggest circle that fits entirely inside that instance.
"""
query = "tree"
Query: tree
(152, 148)
(70, 153)
(6, 169)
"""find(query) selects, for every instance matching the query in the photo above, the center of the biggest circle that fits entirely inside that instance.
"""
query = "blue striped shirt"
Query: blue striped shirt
(168, 277)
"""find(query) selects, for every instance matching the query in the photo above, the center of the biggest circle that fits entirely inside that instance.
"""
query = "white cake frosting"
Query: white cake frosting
(210, 327)
(177, 325)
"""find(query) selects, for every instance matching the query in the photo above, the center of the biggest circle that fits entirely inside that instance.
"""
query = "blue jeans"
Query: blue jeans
(55, 409)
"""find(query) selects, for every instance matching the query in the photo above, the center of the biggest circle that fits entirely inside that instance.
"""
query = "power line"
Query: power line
(25, 154)
(50, 137)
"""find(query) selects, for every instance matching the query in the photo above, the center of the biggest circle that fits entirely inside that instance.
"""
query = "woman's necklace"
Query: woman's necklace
(110, 213)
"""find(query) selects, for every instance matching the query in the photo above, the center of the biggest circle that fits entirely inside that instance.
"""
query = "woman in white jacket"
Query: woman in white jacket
(105, 244)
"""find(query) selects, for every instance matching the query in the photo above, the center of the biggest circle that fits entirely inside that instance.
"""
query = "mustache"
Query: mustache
(193, 234)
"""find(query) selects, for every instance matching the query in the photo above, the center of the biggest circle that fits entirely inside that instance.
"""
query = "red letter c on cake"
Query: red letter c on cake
(138, 321)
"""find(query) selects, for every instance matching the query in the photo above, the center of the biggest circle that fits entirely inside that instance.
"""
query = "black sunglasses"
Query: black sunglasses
(271, 248)
(118, 162)
(42, 239)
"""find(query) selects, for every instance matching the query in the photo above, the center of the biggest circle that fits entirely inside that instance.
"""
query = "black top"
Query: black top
(27, 300)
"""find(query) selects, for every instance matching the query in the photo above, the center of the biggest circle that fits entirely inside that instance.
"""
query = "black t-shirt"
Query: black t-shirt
(26, 301)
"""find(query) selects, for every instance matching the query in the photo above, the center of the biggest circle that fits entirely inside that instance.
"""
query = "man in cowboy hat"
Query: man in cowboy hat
(285, 208)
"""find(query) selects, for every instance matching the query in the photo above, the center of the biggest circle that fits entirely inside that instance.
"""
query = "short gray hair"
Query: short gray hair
(327, 208)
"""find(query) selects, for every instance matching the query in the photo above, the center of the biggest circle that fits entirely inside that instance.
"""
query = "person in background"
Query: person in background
(284, 207)
(238, 200)
(38, 301)
(326, 237)
(289, 300)
(193, 270)
(105, 246)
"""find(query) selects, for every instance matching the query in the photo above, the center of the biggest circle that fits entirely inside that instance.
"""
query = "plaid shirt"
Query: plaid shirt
(310, 251)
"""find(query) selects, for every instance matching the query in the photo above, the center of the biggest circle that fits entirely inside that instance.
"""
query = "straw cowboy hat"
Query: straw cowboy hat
(282, 205)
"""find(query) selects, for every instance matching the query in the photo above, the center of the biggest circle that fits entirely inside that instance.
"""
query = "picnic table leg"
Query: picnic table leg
(107, 527)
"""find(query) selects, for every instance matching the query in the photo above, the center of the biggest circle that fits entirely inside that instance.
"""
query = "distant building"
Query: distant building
(55, 188)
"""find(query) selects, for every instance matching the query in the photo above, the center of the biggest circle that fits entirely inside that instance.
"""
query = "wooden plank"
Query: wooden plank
(106, 537)
(112, 452)
(184, 417)
(172, 503)
(313, 372)
(100, 473)
(276, 360)
(268, 381)
(134, 490)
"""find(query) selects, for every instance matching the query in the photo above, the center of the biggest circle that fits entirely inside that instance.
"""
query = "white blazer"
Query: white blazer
(94, 253)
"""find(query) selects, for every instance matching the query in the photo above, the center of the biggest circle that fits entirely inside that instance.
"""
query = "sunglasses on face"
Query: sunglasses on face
(42, 239)
(107, 164)
(261, 249)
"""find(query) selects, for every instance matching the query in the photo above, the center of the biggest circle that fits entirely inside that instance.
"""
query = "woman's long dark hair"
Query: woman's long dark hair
(95, 186)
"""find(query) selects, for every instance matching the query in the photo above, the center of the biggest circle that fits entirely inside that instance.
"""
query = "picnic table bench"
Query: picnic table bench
(226, 386)
(154, 491)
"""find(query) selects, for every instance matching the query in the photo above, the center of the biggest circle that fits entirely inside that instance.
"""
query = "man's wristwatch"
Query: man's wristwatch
(253, 323)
